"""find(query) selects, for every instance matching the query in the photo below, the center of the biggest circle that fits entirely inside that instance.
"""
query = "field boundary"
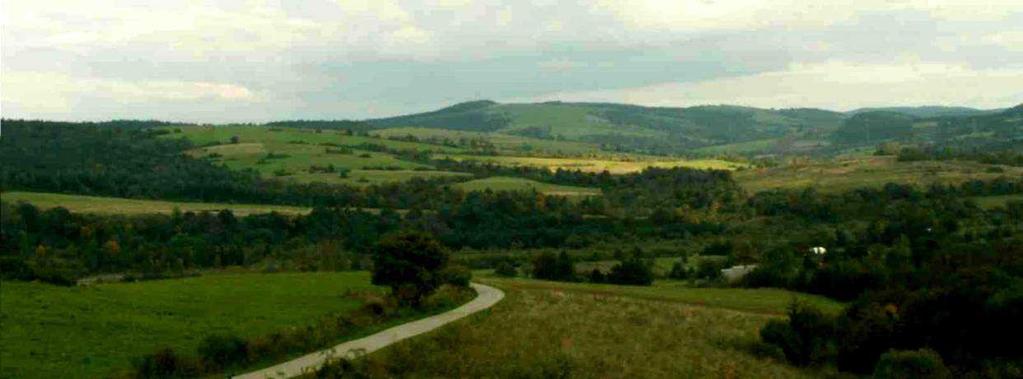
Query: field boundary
(486, 297)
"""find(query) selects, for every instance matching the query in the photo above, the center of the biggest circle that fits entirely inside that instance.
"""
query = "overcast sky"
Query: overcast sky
(242, 60)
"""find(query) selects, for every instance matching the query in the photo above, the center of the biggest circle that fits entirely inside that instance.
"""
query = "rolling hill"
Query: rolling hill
(626, 127)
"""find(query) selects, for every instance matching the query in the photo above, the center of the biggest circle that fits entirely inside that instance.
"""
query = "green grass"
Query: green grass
(500, 183)
(60, 332)
(991, 202)
(624, 166)
(567, 120)
(505, 143)
(867, 171)
(114, 205)
(545, 329)
(740, 147)
(299, 149)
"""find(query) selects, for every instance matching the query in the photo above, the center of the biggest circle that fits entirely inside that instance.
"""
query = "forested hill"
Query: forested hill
(1002, 130)
(651, 129)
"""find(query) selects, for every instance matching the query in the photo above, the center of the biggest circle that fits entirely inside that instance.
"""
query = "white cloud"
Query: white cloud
(833, 85)
(710, 15)
(45, 94)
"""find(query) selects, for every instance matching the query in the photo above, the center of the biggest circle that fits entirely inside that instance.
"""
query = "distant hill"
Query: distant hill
(928, 111)
(988, 130)
(621, 126)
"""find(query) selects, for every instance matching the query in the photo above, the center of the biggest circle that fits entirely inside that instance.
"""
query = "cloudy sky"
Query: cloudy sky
(259, 60)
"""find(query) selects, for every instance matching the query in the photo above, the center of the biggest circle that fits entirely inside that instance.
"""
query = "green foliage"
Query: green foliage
(806, 338)
(872, 127)
(412, 264)
(220, 350)
(507, 270)
(631, 271)
(559, 267)
(912, 364)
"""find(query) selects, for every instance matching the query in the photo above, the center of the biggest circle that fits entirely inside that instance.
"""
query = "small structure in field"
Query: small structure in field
(735, 273)
(818, 250)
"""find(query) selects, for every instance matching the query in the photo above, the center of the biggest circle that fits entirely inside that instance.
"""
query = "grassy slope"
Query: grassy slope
(506, 143)
(569, 120)
(499, 183)
(115, 205)
(991, 202)
(545, 329)
(256, 142)
(59, 332)
(870, 171)
(598, 165)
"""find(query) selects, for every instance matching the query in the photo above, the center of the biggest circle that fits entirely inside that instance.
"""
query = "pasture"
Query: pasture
(853, 172)
(581, 330)
(500, 183)
(305, 155)
(991, 202)
(623, 166)
(62, 332)
(115, 205)
(506, 143)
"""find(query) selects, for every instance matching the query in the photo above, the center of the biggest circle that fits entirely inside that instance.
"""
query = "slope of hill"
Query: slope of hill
(928, 111)
(626, 127)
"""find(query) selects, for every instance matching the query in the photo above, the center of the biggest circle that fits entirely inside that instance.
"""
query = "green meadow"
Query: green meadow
(623, 166)
(63, 332)
(868, 171)
(115, 205)
(550, 329)
(506, 143)
(501, 183)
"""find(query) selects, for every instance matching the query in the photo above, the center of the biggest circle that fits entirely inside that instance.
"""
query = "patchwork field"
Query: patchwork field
(499, 183)
(305, 155)
(872, 171)
(505, 143)
(61, 332)
(115, 205)
(578, 330)
(598, 165)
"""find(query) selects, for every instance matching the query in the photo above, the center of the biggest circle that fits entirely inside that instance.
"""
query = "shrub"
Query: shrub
(165, 363)
(806, 338)
(911, 364)
(457, 275)
(411, 263)
(506, 270)
(678, 271)
(632, 271)
(548, 266)
(223, 350)
(597, 276)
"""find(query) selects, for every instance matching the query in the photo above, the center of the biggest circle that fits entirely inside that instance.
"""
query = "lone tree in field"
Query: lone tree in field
(234, 139)
(411, 263)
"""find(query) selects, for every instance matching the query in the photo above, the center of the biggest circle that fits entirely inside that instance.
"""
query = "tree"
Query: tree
(632, 271)
(411, 263)
(548, 266)
(234, 139)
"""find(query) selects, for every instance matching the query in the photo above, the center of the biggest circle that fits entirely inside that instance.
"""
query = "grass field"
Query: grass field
(114, 205)
(991, 202)
(870, 171)
(570, 120)
(598, 165)
(557, 330)
(295, 151)
(505, 143)
(61, 332)
(499, 183)
(740, 147)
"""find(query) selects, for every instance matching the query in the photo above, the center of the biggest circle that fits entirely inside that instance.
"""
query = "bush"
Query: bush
(911, 364)
(223, 350)
(411, 263)
(806, 338)
(506, 270)
(632, 271)
(165, 363)
(548, 266)
(458, 276)
(597, 276)
(678, 271)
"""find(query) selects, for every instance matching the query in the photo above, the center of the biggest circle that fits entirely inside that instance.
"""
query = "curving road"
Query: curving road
(486, 297)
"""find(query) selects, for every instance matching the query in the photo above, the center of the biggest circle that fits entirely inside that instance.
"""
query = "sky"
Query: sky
(260, 60)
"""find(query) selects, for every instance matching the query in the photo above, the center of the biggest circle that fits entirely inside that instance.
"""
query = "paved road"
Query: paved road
(486, 298)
